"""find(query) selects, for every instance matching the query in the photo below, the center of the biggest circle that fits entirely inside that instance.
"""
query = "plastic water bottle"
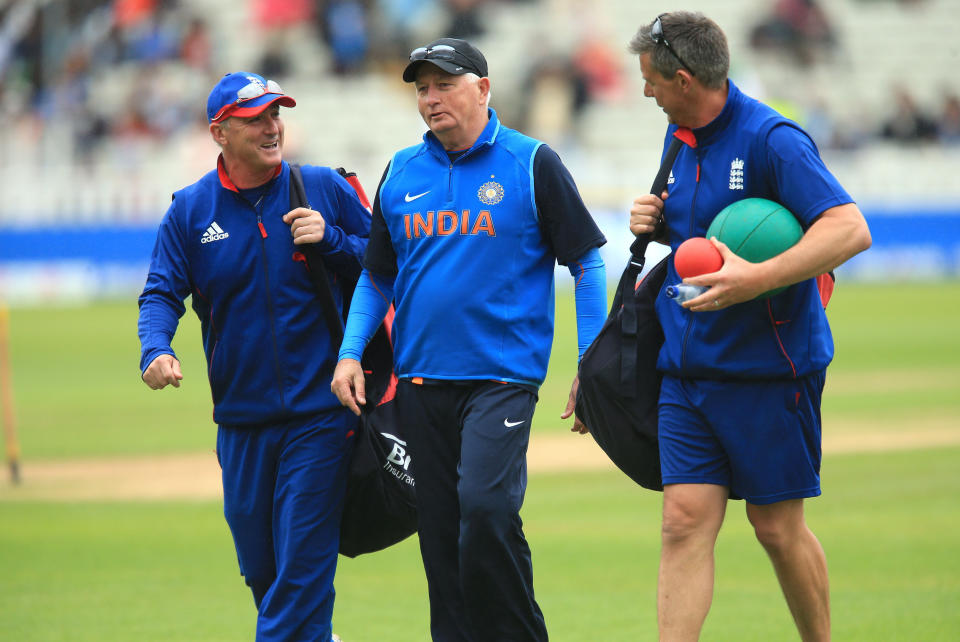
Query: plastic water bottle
(681, 292)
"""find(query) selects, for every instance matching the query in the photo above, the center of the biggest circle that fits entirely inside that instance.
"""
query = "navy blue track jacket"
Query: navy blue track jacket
(268, 350)
(748, 151)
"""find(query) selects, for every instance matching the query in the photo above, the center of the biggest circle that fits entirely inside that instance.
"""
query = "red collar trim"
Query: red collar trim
(686, 135)
(225, 178)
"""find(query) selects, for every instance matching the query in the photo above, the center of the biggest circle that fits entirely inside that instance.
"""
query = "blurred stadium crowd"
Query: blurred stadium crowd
(104, 99)
(93, 83)
(54, 56)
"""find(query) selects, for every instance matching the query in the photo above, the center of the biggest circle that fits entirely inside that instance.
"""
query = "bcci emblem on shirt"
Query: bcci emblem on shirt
(490, 193)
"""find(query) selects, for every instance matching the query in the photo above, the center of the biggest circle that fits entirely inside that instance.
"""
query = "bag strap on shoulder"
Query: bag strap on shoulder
(638, 248)
(628, 281)
(318, 272)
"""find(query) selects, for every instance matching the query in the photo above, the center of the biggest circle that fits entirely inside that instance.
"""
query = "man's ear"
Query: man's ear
(484, 85)
(216, 132)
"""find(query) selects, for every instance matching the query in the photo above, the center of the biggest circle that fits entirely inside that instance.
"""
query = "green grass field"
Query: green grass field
(165, 570)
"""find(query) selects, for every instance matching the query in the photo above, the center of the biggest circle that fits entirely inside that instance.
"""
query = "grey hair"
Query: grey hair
(224, 124)
(474, 78)
(699, 41)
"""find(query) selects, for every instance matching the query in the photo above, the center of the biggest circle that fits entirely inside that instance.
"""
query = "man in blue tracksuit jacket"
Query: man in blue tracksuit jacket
(467, 229)
(231, 241)
(739, 411)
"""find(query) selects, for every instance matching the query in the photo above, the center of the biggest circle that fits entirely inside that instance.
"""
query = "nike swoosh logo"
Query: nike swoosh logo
(511, 424)
(409, 198)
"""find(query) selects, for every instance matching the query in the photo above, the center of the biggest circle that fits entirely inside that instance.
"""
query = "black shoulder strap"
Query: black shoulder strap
(628, 282)
(318, 272)
(638, 248)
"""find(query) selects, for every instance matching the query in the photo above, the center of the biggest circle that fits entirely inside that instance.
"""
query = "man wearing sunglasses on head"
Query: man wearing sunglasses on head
(232, 242)
(467, 229)
(739, 408)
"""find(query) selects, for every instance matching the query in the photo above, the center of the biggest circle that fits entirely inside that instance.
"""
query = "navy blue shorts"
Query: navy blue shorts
(761, 439)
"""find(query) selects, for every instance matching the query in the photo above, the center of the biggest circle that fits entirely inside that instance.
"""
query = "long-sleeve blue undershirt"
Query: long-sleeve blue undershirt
(371, 300)
(590, 294)
(373, 295)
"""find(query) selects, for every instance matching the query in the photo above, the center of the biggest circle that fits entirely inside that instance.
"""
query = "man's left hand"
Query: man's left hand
(306, 225)
(578, 426)
(737, 281)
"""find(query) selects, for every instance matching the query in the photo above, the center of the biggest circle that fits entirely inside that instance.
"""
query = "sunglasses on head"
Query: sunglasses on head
(436, 52)
(656, 32)
(249, 92)
(255, 90)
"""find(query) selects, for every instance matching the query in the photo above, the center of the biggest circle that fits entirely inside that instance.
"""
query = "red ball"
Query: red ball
(696, 256)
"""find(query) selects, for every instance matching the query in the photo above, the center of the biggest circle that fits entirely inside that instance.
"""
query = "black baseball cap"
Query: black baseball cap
(453, 55)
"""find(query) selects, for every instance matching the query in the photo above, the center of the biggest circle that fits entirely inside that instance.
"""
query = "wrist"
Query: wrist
(332, 238)
(766, 276)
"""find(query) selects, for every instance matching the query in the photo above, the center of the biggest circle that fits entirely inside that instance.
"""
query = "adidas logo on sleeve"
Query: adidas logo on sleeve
(213, 233)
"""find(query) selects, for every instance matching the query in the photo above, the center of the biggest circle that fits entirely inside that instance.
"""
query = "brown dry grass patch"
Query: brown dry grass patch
(196, 476)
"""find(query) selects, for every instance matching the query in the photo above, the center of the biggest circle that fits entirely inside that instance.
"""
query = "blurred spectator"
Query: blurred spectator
(908, 123)
(599, 66)
(344, 28)
(92, 131)
(148, 30)
(466, 21)
(948, 129)
(282, 14)
(829, 132)
(78, 84)
(71, 73)
(15, 23)
(555, 94)
(798, 27)
(65, 99)
(132, 125)
(398, 26)
(819, 123)
(21, 44)
(196, 48)
(129, 13)
(279, 20)
(274, 60)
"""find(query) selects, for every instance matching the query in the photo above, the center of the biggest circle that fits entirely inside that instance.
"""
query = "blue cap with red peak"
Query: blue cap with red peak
(244, 94)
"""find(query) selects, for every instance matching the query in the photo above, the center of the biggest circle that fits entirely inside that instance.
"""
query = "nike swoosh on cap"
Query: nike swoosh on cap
(409, 198)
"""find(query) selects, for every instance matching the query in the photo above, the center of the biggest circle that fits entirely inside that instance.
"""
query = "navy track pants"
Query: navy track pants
(283, 490)
(468, 443)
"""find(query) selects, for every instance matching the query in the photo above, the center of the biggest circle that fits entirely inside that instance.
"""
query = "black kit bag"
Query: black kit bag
(619, 383)
(380, 505)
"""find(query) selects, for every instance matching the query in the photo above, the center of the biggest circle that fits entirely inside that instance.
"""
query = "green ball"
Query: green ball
(756, 229)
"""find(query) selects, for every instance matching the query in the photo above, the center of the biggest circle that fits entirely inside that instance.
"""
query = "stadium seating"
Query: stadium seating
(358, 122)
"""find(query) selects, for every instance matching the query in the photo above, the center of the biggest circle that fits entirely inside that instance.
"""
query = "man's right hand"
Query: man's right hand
(646, 214)
(349, 385)
(163, 370)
